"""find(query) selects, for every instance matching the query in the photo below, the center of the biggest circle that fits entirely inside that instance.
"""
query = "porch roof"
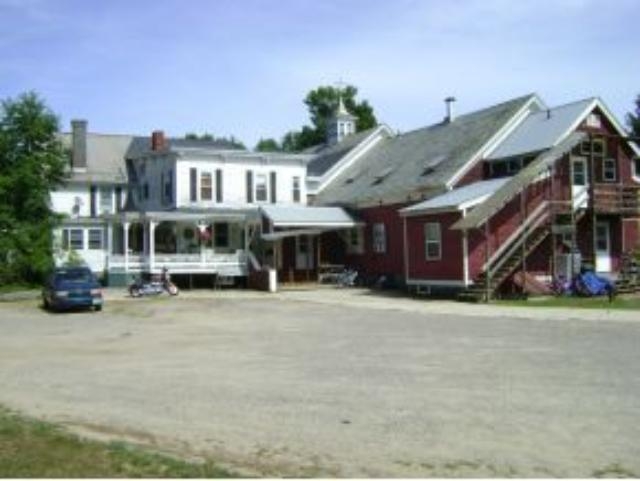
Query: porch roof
(518, 182)
(456, 199)
(308, 216)
(188, 213)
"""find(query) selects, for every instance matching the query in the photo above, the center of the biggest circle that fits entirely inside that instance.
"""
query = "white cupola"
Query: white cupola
(341, 124)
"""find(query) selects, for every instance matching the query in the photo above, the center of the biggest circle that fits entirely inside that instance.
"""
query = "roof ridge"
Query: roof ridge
(467, 114)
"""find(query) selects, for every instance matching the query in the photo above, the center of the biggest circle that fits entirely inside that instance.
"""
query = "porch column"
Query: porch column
(152, 244)
(125, 232)
(109, 243)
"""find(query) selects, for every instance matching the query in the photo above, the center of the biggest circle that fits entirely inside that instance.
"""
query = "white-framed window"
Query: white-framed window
(609, 170)
(355, 241)
(635, 168)
(73, 239)
(296, 189)
(106, 200)
(261, 187)
(206, 186)
(432, 241)
(379, 240)
(95, 239)
(579, 172)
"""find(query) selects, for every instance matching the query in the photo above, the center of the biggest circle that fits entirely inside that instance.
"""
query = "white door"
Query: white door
(603, 247)
(579, 183)
(304, 253)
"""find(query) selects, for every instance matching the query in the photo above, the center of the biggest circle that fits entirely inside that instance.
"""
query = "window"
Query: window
(296, 189)
(218, 185)
(432, 241)
(193, 185)
(379, 238)
(221, 234)
(354, 241)
(579, 174)
(261, 188)
(593, 120)
(73, 239)
(598, 146)
(609, 170)
(105, 200)
(206, 187)
(95, 239)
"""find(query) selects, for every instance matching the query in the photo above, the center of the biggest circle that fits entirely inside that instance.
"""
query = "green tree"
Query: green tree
(32, 164)
(267, 145)
(633, 119)
(322, 103)
(224, 142)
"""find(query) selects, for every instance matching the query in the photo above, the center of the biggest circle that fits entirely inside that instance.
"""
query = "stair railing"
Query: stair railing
(534, 220)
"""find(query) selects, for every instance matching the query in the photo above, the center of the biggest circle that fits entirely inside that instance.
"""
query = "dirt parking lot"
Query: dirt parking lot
(337, 382)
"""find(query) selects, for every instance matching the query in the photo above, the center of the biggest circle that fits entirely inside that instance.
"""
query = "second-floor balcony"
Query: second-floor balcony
(616, 199)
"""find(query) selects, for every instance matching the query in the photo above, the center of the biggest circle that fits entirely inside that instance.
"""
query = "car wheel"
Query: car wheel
(45, 304)
(98, 308)
(135, 292)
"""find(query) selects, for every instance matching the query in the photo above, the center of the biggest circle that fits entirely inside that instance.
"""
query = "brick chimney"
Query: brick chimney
(79, 144)
(158, 141)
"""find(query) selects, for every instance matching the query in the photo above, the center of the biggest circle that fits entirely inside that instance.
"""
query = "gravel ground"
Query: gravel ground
(330, 382)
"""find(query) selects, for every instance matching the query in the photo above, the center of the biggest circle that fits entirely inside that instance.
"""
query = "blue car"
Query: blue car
(72, 287)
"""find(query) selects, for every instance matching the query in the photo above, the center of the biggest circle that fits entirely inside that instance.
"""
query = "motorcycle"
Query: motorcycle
(156, 286)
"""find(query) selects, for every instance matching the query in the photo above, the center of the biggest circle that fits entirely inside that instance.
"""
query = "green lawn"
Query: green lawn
(621, 302)
(31, 448)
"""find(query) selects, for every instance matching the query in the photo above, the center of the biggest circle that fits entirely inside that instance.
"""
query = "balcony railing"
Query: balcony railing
(231, 264)
(616, 199)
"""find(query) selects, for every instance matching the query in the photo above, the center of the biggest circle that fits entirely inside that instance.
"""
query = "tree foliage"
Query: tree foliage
(267, 145)
(322, 103)
(633, 119)
(223, 142)
(32, 163)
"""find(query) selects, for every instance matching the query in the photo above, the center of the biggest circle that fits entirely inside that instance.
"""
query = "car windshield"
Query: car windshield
(74, 275)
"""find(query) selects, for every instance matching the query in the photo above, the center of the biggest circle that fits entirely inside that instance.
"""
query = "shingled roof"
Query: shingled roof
(106, 156)
(422, 160)
(328, 155)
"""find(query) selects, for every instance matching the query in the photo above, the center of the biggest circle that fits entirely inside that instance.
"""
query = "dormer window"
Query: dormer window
(382, 175)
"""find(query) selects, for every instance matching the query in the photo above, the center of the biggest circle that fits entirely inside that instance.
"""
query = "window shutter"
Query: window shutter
(193, 184)
(249, 187)
(218, 185)
(93, 194)
(273, 187)
(118, 199)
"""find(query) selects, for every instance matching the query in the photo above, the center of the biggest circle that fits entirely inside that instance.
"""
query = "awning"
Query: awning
(323, 218)
(282, 234)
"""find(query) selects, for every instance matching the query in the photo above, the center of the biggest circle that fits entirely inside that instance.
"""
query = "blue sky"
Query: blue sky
(243, 67)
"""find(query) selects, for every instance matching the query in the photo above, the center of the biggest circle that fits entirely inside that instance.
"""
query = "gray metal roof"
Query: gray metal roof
(307, 216)
(328, 155)
(454, 199)
(541, 130)
(517, 183)
(106, 156)
(422, 161)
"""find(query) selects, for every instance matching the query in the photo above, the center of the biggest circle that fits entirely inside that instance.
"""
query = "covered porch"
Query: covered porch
(185, 242)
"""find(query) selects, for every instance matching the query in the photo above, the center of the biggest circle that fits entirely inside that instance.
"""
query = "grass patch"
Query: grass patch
(576, 302)
(614, 470)
(9, 288)
(35, 449)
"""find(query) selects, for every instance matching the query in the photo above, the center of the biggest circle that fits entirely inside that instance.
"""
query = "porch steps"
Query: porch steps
(478, 291)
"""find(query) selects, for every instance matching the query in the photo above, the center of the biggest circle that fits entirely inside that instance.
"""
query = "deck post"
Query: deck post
(524, 239)
(592, 201)
(125, 231)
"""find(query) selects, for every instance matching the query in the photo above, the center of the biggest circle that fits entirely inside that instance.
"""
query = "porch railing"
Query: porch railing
(233, 264)
(616, 199)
